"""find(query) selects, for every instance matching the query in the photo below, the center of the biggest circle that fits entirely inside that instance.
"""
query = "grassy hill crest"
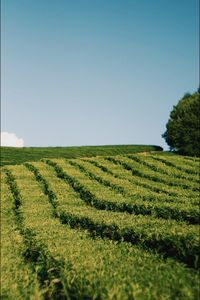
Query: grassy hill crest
(14, 156)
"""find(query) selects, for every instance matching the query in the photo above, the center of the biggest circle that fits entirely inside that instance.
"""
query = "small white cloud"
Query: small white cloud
(11, 140)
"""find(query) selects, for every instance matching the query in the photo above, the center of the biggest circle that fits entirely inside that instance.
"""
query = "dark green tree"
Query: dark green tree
(183, 128)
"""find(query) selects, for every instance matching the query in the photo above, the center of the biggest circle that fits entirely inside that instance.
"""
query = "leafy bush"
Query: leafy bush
(183, 128)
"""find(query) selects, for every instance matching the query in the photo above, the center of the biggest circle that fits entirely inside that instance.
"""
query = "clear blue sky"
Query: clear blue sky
(92, 72)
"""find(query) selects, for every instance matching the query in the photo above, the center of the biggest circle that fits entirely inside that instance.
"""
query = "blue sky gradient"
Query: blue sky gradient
(95, 72)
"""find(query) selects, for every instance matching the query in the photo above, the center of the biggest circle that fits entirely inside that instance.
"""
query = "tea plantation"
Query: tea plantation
(13, 155)
(105, 227)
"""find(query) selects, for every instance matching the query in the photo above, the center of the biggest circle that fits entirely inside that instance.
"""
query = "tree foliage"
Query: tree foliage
(183, 128)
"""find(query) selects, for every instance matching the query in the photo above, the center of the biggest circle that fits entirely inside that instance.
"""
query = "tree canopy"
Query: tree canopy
(183, 128)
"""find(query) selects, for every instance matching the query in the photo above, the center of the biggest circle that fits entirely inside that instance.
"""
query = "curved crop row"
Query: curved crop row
(34, 255)
(192, 160)
(86, 263)
(129, 189)
(158, 166)
(62, 210)
(179, 164)
(106, 177)
(169, 174)
(147, 231)
(144, 172)
(101, 197)
(118, 171)
(13, 264)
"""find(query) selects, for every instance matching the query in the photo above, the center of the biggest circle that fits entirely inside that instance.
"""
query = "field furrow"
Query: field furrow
(178, 163)
(98, 228)
(101, 169)
(118, 171)
(193, 161)
(171, 238)
(83, 265)
(155, 164)
(18, 277)
(105, 176)
(125, 197)
(143, 171)
(35, 253)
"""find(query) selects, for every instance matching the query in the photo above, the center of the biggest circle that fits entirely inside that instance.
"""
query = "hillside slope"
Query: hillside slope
(13, 156)
(114, 227)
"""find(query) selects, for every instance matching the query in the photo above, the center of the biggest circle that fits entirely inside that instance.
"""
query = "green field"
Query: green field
(105, 227)
(13, 156)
